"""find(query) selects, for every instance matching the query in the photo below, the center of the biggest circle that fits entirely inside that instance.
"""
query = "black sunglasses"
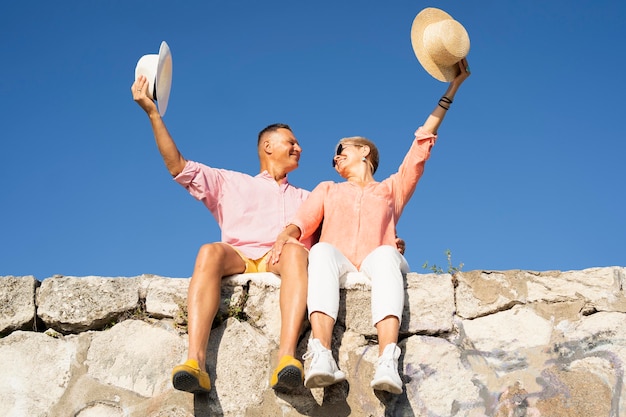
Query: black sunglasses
(339, 149)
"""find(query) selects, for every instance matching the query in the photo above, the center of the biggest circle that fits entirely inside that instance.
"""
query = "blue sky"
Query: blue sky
(528, 172)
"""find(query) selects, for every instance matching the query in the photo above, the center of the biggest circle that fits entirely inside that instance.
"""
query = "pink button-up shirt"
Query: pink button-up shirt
(357, 220)
(251, 211)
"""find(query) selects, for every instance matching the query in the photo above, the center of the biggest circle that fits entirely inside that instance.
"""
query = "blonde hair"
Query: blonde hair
(373, 157)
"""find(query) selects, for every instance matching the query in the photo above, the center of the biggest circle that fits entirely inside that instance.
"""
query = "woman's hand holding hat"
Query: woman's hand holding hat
(439, 43)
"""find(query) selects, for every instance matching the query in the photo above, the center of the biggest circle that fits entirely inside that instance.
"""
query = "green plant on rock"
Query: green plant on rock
(451, 269)
(235, 307)
(180, 318)
(140, 312)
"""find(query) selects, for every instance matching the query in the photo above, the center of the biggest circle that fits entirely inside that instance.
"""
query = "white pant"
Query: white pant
(384, 267)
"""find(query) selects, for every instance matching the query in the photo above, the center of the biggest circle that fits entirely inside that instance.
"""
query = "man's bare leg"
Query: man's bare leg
(214, 261)
(292, 268)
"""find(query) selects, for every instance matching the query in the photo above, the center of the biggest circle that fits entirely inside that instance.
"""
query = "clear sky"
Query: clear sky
(528, 172)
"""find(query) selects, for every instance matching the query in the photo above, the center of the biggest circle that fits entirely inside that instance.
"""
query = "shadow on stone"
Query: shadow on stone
(397, 404)
(202, 405)
(208, 405)
(406, 313)
(334, 401)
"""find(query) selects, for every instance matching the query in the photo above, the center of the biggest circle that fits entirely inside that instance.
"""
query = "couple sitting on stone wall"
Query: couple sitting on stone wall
(269, 225)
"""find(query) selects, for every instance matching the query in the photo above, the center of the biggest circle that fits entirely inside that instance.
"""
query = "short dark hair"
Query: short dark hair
(272, 128)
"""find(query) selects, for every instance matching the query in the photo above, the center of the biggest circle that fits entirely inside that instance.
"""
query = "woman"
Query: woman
(358, 234)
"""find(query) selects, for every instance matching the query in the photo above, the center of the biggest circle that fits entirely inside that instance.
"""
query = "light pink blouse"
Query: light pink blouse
(357, 220)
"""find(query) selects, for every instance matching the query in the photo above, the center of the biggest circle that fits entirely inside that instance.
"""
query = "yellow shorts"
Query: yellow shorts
(253, 265)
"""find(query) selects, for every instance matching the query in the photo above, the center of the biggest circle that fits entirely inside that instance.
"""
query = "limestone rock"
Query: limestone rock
(262, 305)
(17, 303)
(166, 297)
(36, 371)
(118, 357)
(72, 304)
(429, 304)
(480, 343)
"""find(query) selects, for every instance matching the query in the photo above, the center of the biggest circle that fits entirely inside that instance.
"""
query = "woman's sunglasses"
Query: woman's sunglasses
(339, 149)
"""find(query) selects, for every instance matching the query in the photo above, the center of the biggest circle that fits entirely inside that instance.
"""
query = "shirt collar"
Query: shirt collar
(266, 175)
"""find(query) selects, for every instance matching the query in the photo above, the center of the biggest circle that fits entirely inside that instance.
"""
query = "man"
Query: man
(250, 211)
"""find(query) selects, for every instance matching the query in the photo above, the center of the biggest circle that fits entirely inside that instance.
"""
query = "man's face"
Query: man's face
(285, 148)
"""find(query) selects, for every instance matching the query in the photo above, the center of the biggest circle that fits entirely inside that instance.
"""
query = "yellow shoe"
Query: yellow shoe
(190, 378)
(288, 374)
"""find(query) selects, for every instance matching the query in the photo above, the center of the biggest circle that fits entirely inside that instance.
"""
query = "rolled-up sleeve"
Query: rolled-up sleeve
(202, 182)
(425, 141)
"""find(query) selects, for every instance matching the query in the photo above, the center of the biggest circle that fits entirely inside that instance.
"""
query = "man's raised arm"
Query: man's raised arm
(172, 157)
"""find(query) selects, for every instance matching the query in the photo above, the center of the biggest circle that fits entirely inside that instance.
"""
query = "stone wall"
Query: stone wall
(480, 343)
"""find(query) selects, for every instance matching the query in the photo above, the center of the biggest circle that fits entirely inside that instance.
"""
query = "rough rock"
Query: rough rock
(479, 343)
(17, 303)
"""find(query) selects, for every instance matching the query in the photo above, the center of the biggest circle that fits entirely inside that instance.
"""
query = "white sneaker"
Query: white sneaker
(386, 377)
(323, 370)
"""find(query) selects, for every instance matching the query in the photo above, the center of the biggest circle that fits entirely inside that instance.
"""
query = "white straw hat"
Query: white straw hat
(439, 43)
(158, 71)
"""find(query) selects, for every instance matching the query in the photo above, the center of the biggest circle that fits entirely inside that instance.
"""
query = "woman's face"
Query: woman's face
(347, 155)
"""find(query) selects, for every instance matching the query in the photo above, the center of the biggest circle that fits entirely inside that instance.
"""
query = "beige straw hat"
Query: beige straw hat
(439, 43)
(158, 71)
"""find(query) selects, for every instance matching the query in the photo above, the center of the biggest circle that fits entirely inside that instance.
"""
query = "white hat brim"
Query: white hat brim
(158, 71)
(164, 77)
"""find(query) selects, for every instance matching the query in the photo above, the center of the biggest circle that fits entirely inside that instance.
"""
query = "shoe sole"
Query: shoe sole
(387, 386)
(321, 380)
(184, 381)
(289, 377)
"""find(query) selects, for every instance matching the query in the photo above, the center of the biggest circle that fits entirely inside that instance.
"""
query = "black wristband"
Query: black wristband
(443, 107)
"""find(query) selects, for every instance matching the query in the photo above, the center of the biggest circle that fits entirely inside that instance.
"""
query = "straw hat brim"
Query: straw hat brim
(158, 70)
(426, 17)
